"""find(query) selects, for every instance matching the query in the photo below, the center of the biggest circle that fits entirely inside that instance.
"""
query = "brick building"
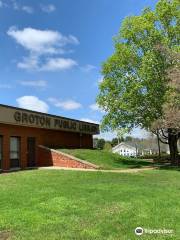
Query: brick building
(22, 132)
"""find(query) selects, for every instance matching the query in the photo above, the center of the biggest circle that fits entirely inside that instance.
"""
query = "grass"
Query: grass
(107, 160)
(67, 205)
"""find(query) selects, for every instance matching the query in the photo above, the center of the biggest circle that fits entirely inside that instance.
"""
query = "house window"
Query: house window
(14, 152)
(1, 150)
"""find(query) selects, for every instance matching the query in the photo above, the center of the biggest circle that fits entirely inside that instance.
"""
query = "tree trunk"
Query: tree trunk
(172, 140)
(159, 148)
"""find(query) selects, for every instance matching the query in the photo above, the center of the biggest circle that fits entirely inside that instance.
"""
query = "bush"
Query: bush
(107, 146)
(156, 158)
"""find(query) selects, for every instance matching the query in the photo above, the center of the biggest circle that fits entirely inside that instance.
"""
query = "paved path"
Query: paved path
(134, 170)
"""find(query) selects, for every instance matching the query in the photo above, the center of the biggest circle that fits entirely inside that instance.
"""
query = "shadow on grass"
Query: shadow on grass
(159, 165)
(169, 167)
(138, 163)
(135, 163)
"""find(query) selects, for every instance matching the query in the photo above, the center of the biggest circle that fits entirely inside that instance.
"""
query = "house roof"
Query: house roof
(127, 144)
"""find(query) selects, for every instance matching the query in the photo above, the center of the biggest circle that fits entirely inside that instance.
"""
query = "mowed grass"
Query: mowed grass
(67, 205)
(107, 160)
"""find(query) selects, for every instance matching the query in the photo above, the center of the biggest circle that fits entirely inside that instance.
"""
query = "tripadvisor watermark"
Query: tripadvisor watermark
(140, 231)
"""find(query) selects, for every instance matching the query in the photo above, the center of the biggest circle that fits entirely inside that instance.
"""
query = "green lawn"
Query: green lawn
(67, 205)
(107, 160)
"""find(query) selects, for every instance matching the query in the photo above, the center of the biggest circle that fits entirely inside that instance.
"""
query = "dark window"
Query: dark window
(31, 156)
(1, 151)
(14, 152)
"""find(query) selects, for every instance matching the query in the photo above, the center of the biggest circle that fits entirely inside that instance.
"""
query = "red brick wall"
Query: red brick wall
(48, 157)
(49, 138)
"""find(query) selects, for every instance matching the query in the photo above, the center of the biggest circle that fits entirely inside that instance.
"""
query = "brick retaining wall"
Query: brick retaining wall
(46, 137)
(51, 157)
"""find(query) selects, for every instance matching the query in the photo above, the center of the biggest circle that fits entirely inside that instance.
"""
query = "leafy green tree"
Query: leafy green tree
(114, 142)
(170, 120)
(128, 139)
(121, 132)
(101, 143)
(135, 80)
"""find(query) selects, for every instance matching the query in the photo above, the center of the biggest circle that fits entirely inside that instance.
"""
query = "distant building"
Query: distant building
(125, 149)
(146, 151)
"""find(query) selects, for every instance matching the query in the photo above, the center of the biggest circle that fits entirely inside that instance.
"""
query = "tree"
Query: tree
(114, 142)
(167, 128)
(135, 78)
(128, 139)
(101, 143)
(120, 133)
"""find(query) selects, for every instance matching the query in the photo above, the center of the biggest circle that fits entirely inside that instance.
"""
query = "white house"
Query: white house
(125, 149)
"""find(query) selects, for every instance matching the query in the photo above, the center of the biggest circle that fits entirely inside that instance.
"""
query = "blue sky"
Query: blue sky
(52, 51)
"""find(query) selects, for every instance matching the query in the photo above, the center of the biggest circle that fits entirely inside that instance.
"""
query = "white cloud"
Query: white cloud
(32, 103)
(39, 83)
(5, 86)
(48, 8)
(89, 120)
(139, 133)
(27, 9)
(88, 68)
(106, 135)
(16, 6)
(43, 42)
(95, 107)
(100, 79)
(72, 39)
(136, 133)
(1, 4)
(50, 64)
(37, 41)
(58, 64)
(29, 63)
(65, 105)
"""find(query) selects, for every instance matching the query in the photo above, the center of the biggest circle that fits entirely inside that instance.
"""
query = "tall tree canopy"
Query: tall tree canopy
(136, 80)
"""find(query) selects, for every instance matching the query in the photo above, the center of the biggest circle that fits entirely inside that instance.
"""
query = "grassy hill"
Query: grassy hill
(107, 160)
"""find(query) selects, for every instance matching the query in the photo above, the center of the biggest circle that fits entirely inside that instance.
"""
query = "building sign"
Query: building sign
(15, 116)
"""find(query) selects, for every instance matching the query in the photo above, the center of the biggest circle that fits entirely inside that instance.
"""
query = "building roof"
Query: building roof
(126, 144)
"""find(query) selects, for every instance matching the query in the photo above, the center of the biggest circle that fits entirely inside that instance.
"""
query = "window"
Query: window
(14, 152)
(1, 150)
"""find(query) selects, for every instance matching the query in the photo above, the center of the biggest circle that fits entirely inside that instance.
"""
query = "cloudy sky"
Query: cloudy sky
(52, 51)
